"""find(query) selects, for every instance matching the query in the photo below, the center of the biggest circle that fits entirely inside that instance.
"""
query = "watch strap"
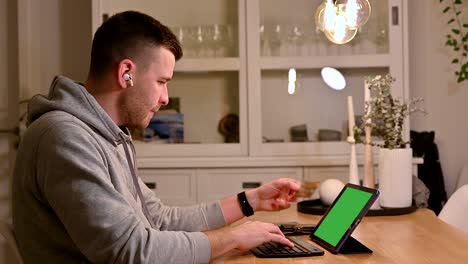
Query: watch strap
(247, 209)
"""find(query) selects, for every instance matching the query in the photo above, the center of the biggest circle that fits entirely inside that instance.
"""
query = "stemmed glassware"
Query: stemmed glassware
(276, 39)
(296, 40)
(199, 37)
(262, 34)
(182, 35)
(205, 40)
(218, 39)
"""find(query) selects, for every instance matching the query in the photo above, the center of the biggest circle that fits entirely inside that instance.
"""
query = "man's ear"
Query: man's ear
(125, 78)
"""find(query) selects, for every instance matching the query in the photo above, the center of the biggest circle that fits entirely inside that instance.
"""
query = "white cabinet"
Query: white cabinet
(183, 187)
(248, 77)
(214, 184)
(172, 186)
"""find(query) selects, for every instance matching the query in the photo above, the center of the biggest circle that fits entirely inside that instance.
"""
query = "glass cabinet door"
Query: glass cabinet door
(205, 116)
(288, 29)
(300, 114)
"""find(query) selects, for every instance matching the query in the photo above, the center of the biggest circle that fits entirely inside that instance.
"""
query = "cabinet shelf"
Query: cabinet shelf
(349, 61)
(159, 150)
(207, 64)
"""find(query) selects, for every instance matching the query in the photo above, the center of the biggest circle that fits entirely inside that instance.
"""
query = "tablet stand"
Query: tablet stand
(352, 246)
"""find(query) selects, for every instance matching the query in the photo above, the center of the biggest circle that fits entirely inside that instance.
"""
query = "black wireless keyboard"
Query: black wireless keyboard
(275, 250)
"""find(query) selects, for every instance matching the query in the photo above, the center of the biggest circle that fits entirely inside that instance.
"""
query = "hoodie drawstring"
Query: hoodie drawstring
(135, 179)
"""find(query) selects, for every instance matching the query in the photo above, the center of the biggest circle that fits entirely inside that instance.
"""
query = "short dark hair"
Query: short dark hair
(128, 35)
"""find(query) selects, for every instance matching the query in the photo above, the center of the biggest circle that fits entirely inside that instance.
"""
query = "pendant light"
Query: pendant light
(340, 20)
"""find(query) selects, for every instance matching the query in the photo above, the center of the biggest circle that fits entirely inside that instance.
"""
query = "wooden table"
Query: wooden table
(419, 237)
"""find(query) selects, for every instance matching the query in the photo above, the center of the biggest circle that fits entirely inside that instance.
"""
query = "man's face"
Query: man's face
(150, 89)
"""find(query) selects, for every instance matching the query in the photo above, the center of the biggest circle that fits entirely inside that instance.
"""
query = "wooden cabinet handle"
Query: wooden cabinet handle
(250, 185)
(151, 185)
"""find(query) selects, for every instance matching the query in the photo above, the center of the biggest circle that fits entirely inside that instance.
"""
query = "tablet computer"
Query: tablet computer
(333, 231)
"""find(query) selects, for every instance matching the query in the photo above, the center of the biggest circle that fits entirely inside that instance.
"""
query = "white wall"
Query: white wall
(432, 77)
(59, 43)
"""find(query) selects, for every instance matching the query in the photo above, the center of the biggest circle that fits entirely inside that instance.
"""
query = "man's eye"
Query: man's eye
(161, 82)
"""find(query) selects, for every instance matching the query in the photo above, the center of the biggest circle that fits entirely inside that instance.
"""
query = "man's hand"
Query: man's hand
(244, 237)
(274, 196)
(253, 234)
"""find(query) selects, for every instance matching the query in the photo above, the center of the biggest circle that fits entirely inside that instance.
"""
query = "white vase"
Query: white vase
(395, 177)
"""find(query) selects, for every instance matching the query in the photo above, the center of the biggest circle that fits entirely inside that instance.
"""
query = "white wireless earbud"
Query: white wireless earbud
(128, 77)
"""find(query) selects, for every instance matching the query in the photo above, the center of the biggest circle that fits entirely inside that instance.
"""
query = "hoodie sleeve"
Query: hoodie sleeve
(73, 179)
(194, 218)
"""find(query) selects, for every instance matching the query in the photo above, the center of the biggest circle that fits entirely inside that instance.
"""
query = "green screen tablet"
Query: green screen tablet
(337, 224)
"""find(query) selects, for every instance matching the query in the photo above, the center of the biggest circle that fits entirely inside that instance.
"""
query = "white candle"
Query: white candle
(367, 98)
(350, 117)
(368, 179)
(366, 91)
(353, 169)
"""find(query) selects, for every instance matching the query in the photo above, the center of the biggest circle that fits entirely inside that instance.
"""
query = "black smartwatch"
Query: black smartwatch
(247, 210)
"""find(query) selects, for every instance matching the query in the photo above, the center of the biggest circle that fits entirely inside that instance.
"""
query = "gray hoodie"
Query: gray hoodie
(74, 199)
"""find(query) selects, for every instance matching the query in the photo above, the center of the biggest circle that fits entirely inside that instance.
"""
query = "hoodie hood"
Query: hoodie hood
(68, 96)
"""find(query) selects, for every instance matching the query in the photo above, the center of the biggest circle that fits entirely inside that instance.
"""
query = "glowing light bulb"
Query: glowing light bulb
(333, 78)
(341, 37)
(319, 16)
(329, 15)
(340, 19)
(291, 88)
(340, 33)
(291, 81)
(363, 12)
(325, 15)
(351, 13)
(292, 75)
(357, 12)
(340, 28)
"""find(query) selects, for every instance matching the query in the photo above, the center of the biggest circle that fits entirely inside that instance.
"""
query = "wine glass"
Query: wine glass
(218, 39)
(276, 39)
(182, 36)
(261, 32)
(296, 40)
(198, 37)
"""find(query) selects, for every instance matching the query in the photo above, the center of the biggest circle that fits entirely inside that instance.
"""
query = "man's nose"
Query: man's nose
(164, 99)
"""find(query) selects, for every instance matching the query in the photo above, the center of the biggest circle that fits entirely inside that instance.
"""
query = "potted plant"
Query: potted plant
(457, 37)
(385, 115)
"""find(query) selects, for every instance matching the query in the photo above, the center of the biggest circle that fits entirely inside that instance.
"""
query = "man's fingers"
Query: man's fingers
(282, 240)
(274, 229)
(294, 185)
(278, 236)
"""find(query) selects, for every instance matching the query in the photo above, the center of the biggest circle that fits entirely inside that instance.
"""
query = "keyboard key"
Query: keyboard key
(275, 250)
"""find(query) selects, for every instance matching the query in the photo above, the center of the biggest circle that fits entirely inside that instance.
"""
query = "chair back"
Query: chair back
(6, 230)
(455, 210)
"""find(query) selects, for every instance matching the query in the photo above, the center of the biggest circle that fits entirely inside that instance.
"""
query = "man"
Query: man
(76, 194)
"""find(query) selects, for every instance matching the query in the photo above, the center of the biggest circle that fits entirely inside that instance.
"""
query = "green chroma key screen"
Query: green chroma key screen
(342, 215)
